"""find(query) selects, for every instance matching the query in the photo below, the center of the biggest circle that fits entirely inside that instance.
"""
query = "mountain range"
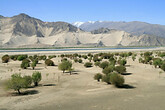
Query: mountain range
(25, 31)
(134, 27)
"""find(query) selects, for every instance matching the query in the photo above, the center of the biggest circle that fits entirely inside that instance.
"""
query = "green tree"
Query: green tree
(28, 80)
(106, 78)
(17, 82)
(117, 79)
(5, 59)
(163, 66)
(98, 76)
(97, 63)
(25, 63)
(33, 65)
(104, 64)
(157, 62)
(108, 69)
(88, 64)
(49, 62)
(120, 69)
(65, 65)
(36, 77)
(122, 62)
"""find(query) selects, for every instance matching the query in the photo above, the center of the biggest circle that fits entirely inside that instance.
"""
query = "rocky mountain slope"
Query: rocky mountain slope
(135, 27)
(25, 31)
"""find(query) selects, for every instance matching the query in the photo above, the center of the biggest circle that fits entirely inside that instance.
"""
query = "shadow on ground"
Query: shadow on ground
(28, 92)
(126, 73)
(49, 85)
(127, 86)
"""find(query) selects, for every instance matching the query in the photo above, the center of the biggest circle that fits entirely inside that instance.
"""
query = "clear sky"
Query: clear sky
(152, 11)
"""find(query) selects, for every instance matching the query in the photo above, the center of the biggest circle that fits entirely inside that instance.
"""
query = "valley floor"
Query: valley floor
(79, 91)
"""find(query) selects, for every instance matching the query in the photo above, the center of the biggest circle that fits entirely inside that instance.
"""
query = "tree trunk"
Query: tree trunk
(19, 91)
(70, 72)
(36, 83)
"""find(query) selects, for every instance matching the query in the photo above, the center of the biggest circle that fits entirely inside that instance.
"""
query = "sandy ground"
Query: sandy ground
(81, 92)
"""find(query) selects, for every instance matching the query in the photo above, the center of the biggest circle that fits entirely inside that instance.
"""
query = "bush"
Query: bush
(17, 82)
(75, 60)
(14, 57)
(51, 56)
(88, 64)
(108, 69)
(122, 62)
(98, 76)
(97, 63)
(133, 58)
(49, 62)
(33, 65)
(80, 60)
(117, 79)
(157, 62)
(120, 69)
(28, 80)
(21, 57)
(25, 63)
(163, 66)
(36, 77)
(104, 64)
(65, 65)
(106, 78)
(5, 59)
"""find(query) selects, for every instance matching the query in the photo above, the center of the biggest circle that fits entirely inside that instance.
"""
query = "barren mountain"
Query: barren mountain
(135, 27)
(25, 31)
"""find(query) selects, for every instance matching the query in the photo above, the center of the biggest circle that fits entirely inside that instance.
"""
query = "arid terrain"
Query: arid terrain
(144, 88)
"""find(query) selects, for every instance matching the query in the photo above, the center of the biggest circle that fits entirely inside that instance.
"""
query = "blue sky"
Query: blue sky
(152, 11)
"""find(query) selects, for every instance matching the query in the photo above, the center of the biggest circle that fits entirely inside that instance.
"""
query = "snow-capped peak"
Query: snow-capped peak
(91, 22)
(78, 24)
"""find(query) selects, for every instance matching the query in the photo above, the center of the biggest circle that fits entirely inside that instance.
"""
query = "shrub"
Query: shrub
(106, 78)
(163, 66)
(33, 65)
(36, 77)
(108, 69)
(84, 56)
(51, 56)
(97, 63)
(157, 62)
(14, 57)
(65, 65)
(25, 63)
(5, 59)
(133, 58)
(17, 82)
(140, 60)
(117, 79)
(28, 80)
(98, 76)
(80, 60)
(88, 64)
(21, 57)
(122, 62)
(104, 64)
(75, 60)
(129, 53)
(120, 69)
(49, 62)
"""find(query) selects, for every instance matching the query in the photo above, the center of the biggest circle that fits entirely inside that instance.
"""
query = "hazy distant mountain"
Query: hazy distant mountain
(25, 31)
(135, 27)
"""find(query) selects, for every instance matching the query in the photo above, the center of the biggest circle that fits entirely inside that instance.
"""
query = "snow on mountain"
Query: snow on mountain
(78, 23)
